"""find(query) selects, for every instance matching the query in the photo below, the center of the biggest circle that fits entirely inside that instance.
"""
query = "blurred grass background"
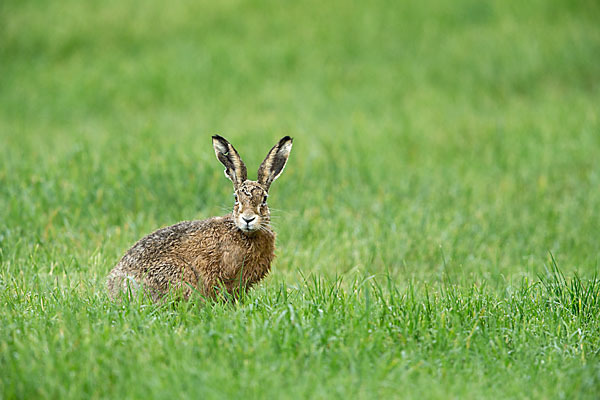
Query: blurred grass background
(464, 127)
(433, 140)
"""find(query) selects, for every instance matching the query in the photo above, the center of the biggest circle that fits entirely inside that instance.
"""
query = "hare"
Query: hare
(229, 252)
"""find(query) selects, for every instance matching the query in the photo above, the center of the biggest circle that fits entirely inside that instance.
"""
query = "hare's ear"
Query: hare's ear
(235, 169)
(273, 165)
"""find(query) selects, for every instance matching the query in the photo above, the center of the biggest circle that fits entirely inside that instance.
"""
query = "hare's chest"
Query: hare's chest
(248, 263)
(234, 259)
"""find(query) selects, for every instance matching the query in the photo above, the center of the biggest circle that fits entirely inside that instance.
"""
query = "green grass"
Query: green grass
(437, 221)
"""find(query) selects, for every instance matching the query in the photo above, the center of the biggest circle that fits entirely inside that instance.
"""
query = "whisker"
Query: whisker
(269, 226)
(278, 210)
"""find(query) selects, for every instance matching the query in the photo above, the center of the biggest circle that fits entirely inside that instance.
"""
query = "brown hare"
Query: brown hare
(229, 252)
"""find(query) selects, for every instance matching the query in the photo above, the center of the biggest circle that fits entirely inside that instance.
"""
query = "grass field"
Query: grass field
(438, 221)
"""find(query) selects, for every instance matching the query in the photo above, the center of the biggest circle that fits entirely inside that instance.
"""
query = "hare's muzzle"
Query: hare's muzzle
(248, 220)
(248, 223)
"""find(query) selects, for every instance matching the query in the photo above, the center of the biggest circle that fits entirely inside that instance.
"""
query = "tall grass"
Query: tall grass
(367, 337)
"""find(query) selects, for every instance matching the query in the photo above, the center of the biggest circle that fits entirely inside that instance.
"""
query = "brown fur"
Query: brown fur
(231, 252)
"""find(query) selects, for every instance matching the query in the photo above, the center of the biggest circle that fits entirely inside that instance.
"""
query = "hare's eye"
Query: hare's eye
(264, 199)
(235, 197)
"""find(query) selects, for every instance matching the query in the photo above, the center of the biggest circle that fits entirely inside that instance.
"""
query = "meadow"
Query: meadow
(438, 220)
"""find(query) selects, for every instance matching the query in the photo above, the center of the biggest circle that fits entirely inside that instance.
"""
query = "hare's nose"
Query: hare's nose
(248, 220)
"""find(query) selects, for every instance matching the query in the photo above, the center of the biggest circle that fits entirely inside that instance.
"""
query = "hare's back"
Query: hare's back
(169, 240)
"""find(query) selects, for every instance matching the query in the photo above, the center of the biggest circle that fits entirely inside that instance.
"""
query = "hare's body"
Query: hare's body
(232, 252)
(195, 255)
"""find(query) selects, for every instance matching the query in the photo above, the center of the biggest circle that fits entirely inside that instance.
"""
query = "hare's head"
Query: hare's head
(250, 211)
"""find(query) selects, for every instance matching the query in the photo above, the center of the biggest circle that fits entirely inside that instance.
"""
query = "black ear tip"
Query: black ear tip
(218, 137)
(285, 139)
